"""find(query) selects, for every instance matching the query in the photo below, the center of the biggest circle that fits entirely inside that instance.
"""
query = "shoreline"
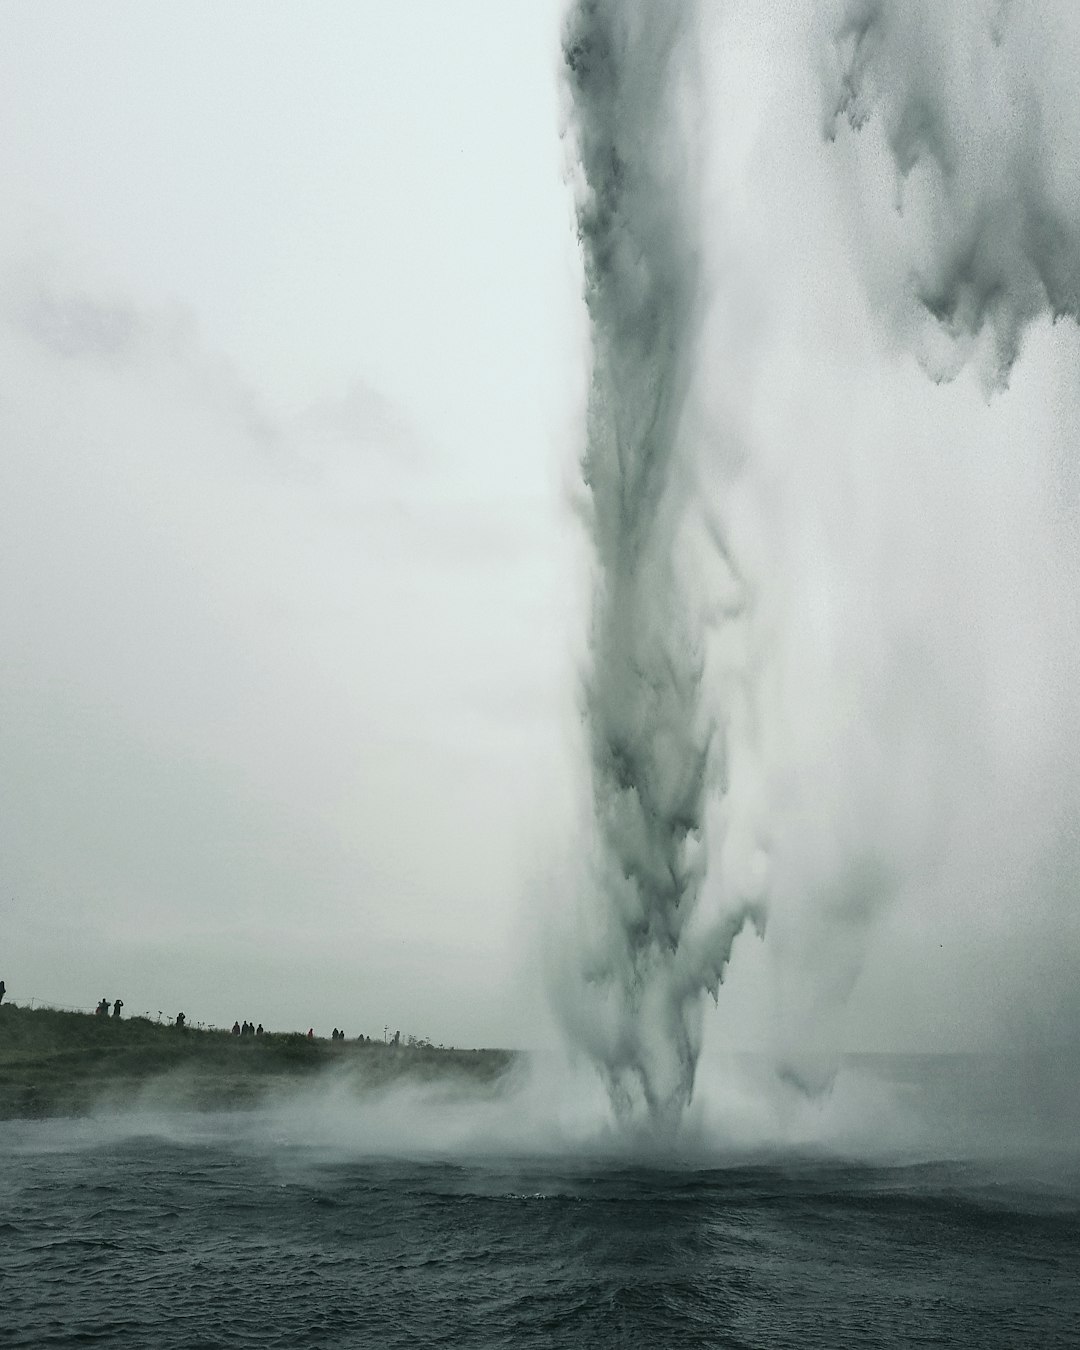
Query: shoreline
(67, 1064)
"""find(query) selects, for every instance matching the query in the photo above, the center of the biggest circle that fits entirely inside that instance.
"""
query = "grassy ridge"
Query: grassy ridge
(65, 1063)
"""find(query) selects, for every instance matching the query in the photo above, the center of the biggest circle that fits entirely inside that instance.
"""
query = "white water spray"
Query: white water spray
(654, 750)
(889, 573)
(975, 104)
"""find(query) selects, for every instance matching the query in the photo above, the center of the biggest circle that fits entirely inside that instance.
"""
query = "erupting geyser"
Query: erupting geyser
(653, 748)
(833, 639)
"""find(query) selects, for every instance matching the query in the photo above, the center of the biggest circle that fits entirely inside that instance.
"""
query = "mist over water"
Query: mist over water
(1008, 1113)
(315, 1237)
(832, 498)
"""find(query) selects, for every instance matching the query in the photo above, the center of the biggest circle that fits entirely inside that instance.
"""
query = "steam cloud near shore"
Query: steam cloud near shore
(832, 636)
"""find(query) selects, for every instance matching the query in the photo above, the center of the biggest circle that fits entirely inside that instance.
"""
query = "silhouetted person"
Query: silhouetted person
(236, 1028)
(259, 1030)
(3, 990)
(103, 1008)
(117, 1006)
(333, 1034)
(311, 1033)
(180, 1020)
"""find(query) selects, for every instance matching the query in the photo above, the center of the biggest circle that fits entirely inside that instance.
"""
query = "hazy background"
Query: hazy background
(293, 368)
(290, 349)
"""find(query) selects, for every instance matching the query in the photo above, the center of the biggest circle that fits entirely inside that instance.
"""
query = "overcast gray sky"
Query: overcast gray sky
(292, 600)
(291, 349)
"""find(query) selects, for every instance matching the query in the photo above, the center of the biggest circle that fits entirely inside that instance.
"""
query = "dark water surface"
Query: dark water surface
(218, 1238)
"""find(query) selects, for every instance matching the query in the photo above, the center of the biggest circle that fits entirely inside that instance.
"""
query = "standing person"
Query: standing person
(259, 1029)
(311, 1033)
(3, 990)
(117, 1005)
(180, 1020)
(236, 1028)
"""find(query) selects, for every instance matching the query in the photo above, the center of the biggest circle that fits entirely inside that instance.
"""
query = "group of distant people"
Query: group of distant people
(102, 1010)
(244, 1028)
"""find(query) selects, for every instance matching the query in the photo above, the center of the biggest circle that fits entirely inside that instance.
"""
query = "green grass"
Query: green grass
(65, 1063)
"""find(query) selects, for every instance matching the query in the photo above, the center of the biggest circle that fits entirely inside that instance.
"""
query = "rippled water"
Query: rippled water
(215, 1233)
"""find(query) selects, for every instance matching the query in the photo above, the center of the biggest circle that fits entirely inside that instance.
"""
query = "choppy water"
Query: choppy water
(215, 1234)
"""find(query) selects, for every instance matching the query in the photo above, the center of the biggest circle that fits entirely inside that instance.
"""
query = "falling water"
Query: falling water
(653, 747)
(884, 577)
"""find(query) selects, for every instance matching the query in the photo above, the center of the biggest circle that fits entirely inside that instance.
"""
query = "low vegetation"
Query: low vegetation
(67, 1063)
